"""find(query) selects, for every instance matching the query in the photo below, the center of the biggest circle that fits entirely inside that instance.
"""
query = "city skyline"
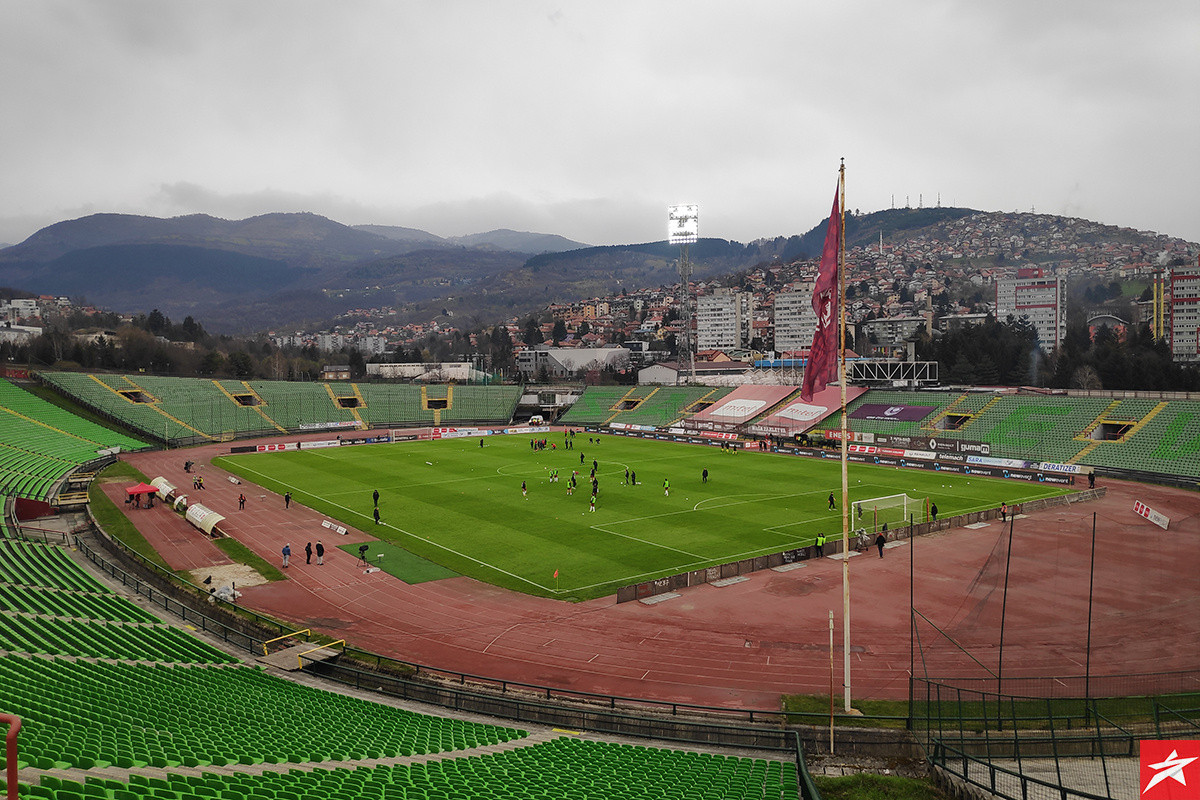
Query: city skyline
(588, 122)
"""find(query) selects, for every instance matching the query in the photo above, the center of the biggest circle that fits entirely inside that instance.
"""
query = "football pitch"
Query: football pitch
(460, 505)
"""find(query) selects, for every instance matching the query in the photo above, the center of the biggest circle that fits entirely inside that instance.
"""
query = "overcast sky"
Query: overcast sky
(587, 120)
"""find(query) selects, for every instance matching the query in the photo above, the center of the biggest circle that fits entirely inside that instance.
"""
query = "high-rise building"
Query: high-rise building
(795, 320)
(1040, 299)
(723, 319)
(1183, 312)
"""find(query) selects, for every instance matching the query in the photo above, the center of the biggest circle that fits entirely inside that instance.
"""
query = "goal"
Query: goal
(893, 509)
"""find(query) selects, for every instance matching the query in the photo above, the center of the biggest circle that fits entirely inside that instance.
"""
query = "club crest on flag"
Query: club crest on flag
(1170, 769)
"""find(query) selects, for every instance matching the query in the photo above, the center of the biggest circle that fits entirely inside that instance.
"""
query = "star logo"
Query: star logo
(1164, 768)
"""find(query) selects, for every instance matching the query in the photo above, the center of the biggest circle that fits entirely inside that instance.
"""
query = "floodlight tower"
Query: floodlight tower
(683, 229)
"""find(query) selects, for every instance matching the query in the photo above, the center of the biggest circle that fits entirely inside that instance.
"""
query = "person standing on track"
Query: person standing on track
(287, 553)
(320, 553)
(287, 499)
(880, 541)
(308, 553)
(242, 502)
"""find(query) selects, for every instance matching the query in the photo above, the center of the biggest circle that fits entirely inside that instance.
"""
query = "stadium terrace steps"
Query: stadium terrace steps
(1166, 441)
(938, 400)
(86, 605)
(564, 766)
(112, 717)
(595, 405)
(41, 443)
(187, 409)
(659, 406)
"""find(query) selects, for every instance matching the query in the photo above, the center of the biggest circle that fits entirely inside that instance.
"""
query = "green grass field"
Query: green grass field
(460, 505)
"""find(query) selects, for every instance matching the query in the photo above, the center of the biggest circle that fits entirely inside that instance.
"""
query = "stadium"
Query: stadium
(1022, 588)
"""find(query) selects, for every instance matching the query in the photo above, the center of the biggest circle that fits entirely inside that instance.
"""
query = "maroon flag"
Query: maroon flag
(822, 363)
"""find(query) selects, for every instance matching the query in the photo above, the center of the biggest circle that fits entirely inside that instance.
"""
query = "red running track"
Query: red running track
(745, 644)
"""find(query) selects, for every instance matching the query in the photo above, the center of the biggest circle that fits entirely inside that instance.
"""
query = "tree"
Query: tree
(1086, 377)
(192, 330)
(358, 364)
(212, 363)
(241, 365)
(533, 332)
(560, 331)
(157, 322)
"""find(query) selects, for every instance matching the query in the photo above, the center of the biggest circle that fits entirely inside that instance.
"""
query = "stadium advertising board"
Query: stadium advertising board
(368, 439)
(883, 411)
(625, 426)
(319, 444)
(321, 426)
(934, 444)
(271, 448)
(456, 433)
(853, 436)
(528, 429)
(1158, 518)
(1048, 466)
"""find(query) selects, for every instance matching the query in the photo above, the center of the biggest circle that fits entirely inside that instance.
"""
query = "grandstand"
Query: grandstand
(195, 411)
(1033, 427)
(1148, 436)
(741, 405)
(936, 402)
(657, 406)
(175, 713)
(42, 442)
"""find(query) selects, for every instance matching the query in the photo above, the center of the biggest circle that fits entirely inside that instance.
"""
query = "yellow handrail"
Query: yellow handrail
(284, 636)
(300, 656)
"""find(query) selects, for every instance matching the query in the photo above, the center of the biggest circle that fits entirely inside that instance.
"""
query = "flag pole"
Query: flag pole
(845, 446)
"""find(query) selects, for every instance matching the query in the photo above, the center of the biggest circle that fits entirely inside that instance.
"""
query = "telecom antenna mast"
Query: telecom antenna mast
(683, 229)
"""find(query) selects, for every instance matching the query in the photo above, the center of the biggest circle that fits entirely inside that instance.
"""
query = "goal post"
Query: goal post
(893, 509)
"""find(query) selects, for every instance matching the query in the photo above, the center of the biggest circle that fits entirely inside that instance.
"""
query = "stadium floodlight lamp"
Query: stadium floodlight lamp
(683, 223)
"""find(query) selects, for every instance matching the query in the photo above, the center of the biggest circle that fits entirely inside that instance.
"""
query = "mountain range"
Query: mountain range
(287, 270)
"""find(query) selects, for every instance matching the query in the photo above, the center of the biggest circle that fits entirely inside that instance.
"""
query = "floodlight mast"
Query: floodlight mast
(683, 228)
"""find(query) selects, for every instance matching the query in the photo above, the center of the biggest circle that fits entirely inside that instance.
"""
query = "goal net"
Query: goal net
(893, 509)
